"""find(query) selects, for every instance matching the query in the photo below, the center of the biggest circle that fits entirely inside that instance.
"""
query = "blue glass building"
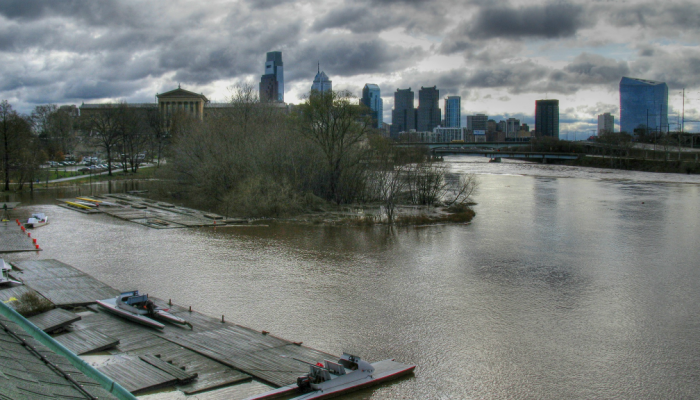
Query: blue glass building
(453, 115)
(643, 104)
(321, 82)
(372, 98)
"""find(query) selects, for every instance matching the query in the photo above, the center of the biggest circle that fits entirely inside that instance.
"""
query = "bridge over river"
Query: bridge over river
(498, 154)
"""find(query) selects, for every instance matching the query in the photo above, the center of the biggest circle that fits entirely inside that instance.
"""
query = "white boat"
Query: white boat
(4, 273)
(37, 220)
(139, 308)
(330, 379)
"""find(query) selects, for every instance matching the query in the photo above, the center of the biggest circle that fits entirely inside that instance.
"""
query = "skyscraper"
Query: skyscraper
(403, 116)
(643, 104)
(606, 123)
(321, 82)
(371, 97)
(429, 114)
(272, 83)
(547, 118)
(512, 127)
(478, 122)
(453, 114)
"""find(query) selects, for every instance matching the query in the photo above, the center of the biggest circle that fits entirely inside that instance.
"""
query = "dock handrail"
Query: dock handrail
(107, 383)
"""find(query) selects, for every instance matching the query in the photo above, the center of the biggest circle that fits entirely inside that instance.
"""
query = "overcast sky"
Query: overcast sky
(500, 56)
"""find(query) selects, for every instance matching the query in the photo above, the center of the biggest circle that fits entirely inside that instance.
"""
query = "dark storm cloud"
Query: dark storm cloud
(195, 53)
(95, 13)
(660, 16)
(592, 68)
(221, 59)
(554, 20)
(348, 55)
(374, 17)
(585, 71)
(98, 89)
(267, 4)
(547, 21)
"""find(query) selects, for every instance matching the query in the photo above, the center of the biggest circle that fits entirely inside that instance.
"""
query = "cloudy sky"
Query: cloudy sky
(500, 56)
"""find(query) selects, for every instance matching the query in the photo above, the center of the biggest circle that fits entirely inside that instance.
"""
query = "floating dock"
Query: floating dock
(147, 212)
(212, 355)
(15, 239)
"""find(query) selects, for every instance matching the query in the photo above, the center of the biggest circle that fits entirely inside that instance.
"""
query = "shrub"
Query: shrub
(32, 303)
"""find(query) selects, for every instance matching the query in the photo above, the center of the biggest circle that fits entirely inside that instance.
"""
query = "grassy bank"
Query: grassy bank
(119, 175)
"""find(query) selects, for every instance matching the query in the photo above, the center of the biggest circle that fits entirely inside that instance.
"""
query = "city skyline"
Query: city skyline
(499, 57)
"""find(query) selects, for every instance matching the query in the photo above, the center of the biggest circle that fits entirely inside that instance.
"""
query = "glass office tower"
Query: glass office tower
(453, 115)
(547, 118)
(428, 114)
(403, 116)
(272, 83)
(372, 98)
(643, 105)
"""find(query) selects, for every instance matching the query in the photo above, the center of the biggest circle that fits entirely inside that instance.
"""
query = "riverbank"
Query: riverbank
(636, 164)
(369, 215)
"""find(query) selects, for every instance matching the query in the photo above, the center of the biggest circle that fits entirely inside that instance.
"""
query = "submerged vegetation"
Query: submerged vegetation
(254, 159)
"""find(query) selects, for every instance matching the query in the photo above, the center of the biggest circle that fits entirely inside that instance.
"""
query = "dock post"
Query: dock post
(170, 302)
(222, 319)
(190, 308)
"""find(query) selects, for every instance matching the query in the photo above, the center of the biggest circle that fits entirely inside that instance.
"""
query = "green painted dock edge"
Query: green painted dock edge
(106, 383)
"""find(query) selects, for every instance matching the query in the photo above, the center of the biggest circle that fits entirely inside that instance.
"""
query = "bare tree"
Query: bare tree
(6, 116)
(102, 128)
(390, 183)
(460, 195)
(55, 129)
(337, 126)
(16, 136)
(160, 131)
(134, 135)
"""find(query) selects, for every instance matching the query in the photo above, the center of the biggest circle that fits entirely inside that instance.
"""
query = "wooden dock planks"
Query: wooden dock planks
(211, 374)
(13, 239)
(54, 319)
(266, 357)
(180, 374)
(61, 283)
(86, 341)
(137, 376)
(219, 353)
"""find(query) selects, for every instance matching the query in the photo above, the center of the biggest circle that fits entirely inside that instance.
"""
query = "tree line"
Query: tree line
(255, 159)
(251, 158)
(50, 133)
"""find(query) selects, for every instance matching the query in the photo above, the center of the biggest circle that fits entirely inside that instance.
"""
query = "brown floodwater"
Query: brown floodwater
(569, 283)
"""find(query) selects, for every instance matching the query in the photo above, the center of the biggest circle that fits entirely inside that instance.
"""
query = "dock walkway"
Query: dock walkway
(146, 212)
(14, 239)
(218, 353)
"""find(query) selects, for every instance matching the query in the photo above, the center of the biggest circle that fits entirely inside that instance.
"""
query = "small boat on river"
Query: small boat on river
(37, 220)
(139, 308)
(4, 273)
(330, 379)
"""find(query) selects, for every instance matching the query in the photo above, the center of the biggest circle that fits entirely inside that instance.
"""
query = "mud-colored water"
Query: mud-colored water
(569, 283)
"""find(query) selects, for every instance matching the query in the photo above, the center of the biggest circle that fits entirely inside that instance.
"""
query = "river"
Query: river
(571, 282)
